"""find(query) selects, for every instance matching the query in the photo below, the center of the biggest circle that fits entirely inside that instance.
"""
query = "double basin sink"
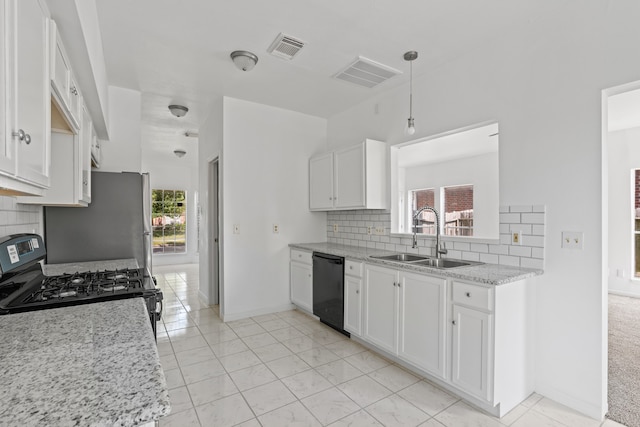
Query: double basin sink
(426, 261)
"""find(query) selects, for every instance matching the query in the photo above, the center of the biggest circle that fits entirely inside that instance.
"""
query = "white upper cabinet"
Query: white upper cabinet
(64, 89)
(25, 140)
(350, 178)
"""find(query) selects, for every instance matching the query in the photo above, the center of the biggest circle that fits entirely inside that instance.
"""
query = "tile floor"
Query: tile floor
(288, 369)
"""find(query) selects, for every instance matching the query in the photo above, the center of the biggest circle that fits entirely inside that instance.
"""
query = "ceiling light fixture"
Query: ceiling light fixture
(178, 110)
(244, 60)
(179, 152)
(410, 56)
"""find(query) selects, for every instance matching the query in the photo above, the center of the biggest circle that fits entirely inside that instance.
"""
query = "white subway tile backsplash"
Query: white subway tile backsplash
(529, 220)
(533, 218)
(17, 218)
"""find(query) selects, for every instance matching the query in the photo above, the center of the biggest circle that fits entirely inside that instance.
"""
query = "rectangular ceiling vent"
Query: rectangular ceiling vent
(367, 73)
(285, 47)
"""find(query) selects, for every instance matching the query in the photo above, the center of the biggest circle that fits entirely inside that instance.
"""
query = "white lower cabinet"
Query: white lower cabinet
(422, 318)
(474, 339)
(353, 298)
(470, 351)
(380, 307)
(301, 279)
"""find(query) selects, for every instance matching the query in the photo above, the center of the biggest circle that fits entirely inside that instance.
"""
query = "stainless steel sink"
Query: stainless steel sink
(401, 257)
(445, 263)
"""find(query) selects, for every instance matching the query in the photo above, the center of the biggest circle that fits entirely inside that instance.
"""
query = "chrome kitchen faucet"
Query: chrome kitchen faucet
(440, 247)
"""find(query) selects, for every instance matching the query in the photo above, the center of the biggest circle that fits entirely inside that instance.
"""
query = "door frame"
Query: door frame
(213, 230)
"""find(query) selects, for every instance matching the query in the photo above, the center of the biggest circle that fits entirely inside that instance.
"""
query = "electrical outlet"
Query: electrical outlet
(276, 229)
(573, 240)
(236, 229)
(369, 229)
(335, 228)
(516, 238)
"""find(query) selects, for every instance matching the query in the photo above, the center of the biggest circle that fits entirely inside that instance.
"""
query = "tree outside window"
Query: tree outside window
(169, 221)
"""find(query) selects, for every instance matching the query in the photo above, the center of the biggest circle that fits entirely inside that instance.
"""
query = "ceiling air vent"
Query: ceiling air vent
(285, 47)
(367, 73)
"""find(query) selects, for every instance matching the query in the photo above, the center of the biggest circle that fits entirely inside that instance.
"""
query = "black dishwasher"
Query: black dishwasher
(328, 290)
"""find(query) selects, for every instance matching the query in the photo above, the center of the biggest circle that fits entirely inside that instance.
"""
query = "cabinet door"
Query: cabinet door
(86, 139)
(75, 106)
(470, 351)
(353, 305)
(60, 75)
(7, 153)
(32, 92)
(380, 307)
(350, 178)
(422, 322)
(321, 182)
(302, 285)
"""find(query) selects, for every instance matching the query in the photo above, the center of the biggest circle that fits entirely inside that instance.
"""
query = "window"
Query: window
(636, 222)
(426, 220)
(169, 221)
(458, 210)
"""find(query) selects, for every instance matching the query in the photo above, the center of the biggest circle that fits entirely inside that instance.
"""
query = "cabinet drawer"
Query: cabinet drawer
(353, 268)
(301, 256)
(472, 295)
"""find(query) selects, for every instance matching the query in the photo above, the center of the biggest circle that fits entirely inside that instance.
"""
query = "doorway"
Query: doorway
(214, 232)
(621, 287)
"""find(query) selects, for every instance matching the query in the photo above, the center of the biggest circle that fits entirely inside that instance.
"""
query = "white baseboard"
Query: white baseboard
(228, 317)
(203, 297)
(587, 408)
(624, 293)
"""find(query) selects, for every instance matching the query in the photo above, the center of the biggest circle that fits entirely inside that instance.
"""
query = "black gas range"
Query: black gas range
(24, 286)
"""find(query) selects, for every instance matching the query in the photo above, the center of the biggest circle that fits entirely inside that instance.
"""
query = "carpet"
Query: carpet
(624, 360)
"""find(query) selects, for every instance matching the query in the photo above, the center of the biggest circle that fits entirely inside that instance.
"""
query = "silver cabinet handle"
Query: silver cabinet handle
(468, 294)
(74, 90)
(22, 136)
(453, 322)
(357, 291)
(351, 267)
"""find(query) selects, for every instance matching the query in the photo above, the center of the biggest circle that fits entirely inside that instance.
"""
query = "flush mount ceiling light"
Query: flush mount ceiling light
(179, 152)
(411, 56)
(178, 110)
(244, 60)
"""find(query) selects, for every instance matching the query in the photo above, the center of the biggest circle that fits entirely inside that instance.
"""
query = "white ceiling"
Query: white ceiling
(178, 51)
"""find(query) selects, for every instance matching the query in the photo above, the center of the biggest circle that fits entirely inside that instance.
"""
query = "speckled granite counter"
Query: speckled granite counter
(488, 274)
(86, 365)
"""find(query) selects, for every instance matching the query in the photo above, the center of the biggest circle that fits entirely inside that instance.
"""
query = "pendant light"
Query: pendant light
(410, 56)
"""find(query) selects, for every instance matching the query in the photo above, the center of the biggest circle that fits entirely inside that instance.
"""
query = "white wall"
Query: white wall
(175, 173)
(264, 179)
(545, 91)
(479, 171)
(624, 155)
(123, 152)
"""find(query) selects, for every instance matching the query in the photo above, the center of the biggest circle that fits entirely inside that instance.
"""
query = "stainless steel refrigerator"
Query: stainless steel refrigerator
(116, 225)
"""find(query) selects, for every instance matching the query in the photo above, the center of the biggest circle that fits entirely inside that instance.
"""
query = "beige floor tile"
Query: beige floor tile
(287, 366)
(293, 414)
(427, 397)
(300, 344)
(259, 340)
(367, 361)
(241, 323)
(202, 370)
(229, 347)
(219, 336)
(461, 414)
(180, 419)
(306, 383)
(330, 405)
(211, 389)
(191, 357)
(225, 412)
(267, 397)
(395, 411)
(338, 371)
(252, 376)
(174, 378)
(345, 348)
(188, 343)
(238, 361)
(537, 419)
(184, 333)
(275, 324)
(317, 356)
(169, 361)
(563, 414)
(285, 334)
(358, 419)
(364, 390)
(394, 378)
(272, 352)
(180, 400)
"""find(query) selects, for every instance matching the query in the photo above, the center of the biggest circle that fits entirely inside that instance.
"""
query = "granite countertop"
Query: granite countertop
(488, 274)
(85, 365)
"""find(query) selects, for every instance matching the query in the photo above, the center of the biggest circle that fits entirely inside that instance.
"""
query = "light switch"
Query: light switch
(573, 240)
